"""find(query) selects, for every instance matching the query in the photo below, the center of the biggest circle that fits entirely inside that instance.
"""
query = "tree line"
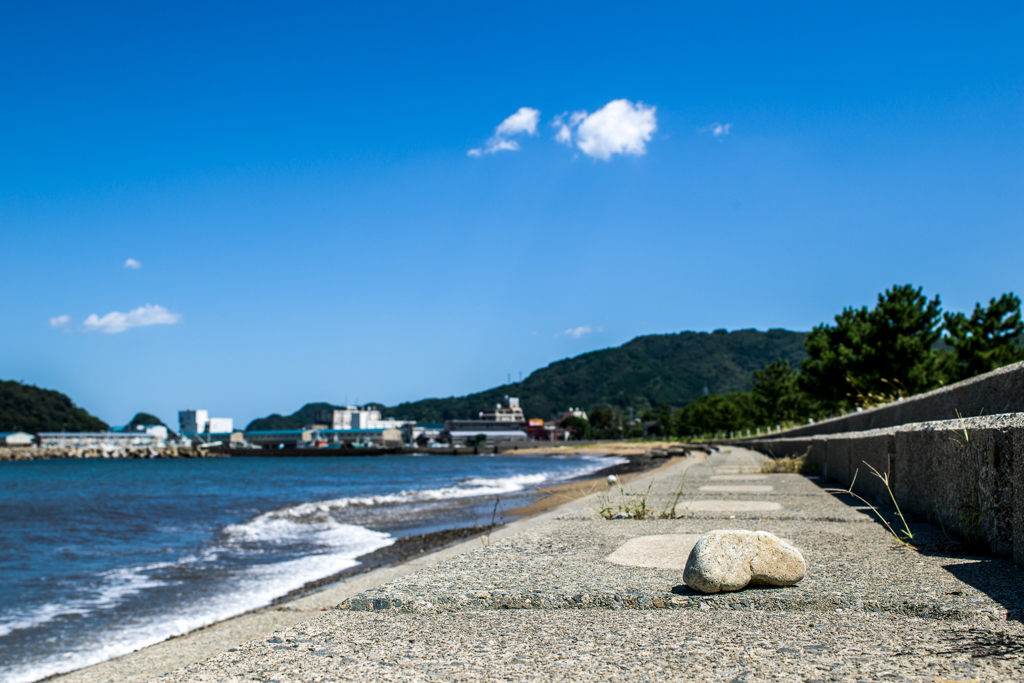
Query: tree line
(906, 344)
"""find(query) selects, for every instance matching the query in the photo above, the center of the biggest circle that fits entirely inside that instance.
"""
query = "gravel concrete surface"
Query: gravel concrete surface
(546, 603)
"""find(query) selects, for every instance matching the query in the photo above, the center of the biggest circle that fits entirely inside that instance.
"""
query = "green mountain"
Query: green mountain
(297, 420)
(26, 408)
(662, 368)
(145, 420)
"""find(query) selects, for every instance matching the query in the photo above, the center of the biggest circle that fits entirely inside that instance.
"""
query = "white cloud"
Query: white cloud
(524, 121)
(60, 321)
(564, 134)
(619, 127)
(565, 123)
(718, 130)
(143, 316)
(577, 332)
(133, 264)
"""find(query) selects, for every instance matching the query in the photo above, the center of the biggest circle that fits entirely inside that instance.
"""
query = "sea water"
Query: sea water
(101, 557)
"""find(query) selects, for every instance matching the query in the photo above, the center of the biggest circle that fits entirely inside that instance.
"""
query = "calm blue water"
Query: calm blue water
(101, 557)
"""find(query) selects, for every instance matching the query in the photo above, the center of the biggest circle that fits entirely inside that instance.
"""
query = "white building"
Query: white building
(199, 422)
(507, 411)
(354, 417)
(16, 439)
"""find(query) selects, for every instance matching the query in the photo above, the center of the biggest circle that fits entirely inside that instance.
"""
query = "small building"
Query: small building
(159, 431)
(276, 438)
(423, 435)
(16, 439)
(506, 411)
(378, 438)
(490, 438)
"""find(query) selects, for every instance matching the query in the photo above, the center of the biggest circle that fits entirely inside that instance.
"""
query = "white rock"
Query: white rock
(727, 560)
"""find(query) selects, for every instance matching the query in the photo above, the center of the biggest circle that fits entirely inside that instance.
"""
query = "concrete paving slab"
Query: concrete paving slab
(739, 477)
(737, 488)
(658, 551)
(728, 506)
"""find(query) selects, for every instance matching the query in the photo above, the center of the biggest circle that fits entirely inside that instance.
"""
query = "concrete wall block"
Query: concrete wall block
(934, 473)
(876, 451)
(837, 461)
(1017, 495)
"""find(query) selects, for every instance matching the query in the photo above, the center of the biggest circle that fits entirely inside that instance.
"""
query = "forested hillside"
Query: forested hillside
(26, 408)
(674, 369)
(297, 420)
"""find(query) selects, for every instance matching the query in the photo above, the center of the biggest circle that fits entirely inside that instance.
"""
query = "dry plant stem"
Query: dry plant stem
(885, 480)
(896, 536)
(670, 511)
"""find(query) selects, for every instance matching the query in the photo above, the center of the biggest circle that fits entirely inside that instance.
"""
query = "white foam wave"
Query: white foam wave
(114, 586)
(255, 587)
(312, 521)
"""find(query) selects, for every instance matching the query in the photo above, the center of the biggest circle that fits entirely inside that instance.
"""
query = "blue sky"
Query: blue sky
(295, 187)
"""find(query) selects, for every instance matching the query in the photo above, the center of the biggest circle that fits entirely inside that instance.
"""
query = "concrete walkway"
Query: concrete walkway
(573, 596)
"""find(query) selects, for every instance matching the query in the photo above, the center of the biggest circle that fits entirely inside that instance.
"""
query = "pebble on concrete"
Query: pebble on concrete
(729, 560)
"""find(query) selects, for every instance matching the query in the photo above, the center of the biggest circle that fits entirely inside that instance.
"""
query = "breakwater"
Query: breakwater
(91, 452)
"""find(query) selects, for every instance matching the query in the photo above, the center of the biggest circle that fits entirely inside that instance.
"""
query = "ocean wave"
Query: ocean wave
(313, 522)
(254, 587)
(110, 590)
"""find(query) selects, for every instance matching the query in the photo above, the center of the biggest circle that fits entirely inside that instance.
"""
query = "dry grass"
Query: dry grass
(610, 447)
(797, 465)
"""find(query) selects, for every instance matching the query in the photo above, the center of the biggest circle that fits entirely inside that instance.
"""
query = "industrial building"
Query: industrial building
(505, 424)
(193, 422)
(324, 438)
(354, 417)
(16, 439)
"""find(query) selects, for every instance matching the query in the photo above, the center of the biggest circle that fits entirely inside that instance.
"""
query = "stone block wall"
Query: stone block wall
(965, 474)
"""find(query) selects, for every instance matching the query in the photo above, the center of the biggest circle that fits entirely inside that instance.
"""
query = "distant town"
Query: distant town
(348, 427)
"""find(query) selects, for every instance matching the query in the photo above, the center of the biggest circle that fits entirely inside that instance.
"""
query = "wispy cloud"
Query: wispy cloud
(619, 127)
(565, 123)
(133, 264)
(60, 321)
(524, 121)
(143, 316)
(717, 130)
(577, 332)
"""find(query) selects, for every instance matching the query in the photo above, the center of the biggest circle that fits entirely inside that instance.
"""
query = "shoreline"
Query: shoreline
(406, 548)
(95, 452)
(406, 555)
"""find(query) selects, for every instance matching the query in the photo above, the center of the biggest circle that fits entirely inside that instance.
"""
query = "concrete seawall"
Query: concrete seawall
(965, 474)
(994, 393)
